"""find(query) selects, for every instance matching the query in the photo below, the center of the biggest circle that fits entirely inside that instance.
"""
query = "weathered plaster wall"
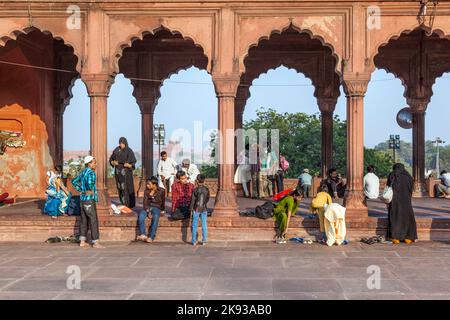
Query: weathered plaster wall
(22, 170)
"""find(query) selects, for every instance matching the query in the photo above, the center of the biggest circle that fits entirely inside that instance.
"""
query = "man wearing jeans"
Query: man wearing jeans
(85, 184)
(154, 202)
(198, 207)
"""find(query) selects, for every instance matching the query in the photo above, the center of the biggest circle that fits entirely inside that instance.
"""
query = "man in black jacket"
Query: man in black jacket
(198, 207)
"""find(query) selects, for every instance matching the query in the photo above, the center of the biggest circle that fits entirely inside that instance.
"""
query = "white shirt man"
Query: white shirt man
(371, 184)
(191, 170)
(167, 168)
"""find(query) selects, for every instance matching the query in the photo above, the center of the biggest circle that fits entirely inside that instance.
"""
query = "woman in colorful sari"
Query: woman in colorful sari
(58, 197)
(282, 214)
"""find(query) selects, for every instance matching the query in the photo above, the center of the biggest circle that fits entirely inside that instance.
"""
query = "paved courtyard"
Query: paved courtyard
(225, 270)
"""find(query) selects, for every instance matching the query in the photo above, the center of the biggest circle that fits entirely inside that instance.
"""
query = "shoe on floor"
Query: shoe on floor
(204, 243)
(149, 240)
(395, 241)
(407, 241)
(141, 237)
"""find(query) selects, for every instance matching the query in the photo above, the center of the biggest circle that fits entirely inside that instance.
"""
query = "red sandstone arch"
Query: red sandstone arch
(291, 25)
(402, 74)
(139, 36)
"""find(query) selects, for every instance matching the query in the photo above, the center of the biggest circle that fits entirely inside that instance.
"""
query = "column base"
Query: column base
(355, 204)
(104, 202)
(419, 190)
(226, 204)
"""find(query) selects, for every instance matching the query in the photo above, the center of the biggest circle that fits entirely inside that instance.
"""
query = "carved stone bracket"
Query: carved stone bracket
(98, 85)
(226, 85)
(355, 85)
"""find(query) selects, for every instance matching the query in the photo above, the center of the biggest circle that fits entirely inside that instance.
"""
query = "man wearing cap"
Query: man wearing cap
(191, 170)
(85, 184)
(304, 183)
(167, 168)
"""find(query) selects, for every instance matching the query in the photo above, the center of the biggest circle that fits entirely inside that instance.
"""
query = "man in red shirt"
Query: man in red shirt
(181, 196)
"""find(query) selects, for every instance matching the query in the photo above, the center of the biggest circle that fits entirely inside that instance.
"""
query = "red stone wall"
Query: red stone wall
(22, 170)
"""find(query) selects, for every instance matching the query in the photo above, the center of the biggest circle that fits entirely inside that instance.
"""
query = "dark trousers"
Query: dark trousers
(89, 220)
(280, 177)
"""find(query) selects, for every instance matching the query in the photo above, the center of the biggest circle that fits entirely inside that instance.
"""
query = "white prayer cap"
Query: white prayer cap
(88, 159)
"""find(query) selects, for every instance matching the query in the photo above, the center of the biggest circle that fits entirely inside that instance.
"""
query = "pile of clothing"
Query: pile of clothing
(71, 239)
(374, 239)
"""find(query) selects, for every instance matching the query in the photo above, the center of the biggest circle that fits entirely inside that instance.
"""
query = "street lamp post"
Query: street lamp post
(438, 141)
(159, 134)
(394, 143)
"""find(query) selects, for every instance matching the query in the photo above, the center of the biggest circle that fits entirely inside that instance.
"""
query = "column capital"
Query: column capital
(327, 105)
(97, 84)
(417, 105)
(226, 85)
(355, 84)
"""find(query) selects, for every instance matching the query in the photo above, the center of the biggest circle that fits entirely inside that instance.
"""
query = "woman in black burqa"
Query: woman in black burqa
(123, 161)
(402, 224)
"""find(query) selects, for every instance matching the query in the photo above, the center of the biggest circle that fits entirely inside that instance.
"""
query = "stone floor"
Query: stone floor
(225, 270)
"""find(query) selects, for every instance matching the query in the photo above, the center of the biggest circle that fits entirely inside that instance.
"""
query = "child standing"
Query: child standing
(317, 207)
(198, 207)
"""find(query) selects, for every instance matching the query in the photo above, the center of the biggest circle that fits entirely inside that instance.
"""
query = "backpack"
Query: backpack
(265, 211)
(284, 164)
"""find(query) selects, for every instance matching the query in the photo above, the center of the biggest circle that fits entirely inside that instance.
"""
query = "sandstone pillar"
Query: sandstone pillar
(226, 87)
(98, 86)
(327, 106)
(355, 90)
(147, 143)
(418, 107)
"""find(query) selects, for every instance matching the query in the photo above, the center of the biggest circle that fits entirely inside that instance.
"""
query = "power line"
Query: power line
(184, 82)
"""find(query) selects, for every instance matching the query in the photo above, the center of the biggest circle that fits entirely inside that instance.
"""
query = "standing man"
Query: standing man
(371, 184)
(190, 169)
(167, 168)
(123, 161)
(181, 196)
(85, 184)
(255, 169)
(305, 182)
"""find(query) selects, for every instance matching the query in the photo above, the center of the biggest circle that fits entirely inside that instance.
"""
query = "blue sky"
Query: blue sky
(182, 104)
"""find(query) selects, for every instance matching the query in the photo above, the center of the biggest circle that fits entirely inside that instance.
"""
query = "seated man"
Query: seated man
(154, 203)
(371, 184)
(443, 189)
(167, 168)
(190, 169)
(181, 196)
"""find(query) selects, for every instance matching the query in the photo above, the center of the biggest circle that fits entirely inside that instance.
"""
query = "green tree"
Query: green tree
(300, 139)
(380, 159)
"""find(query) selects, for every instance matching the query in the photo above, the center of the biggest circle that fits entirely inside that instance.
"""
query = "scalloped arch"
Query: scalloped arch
(118, 51)
(394, 36)
(14, 33)
(299, 30)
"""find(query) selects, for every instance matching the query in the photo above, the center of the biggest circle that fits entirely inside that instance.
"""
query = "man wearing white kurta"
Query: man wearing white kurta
(167, 168)
(191, 170)
(371, 184)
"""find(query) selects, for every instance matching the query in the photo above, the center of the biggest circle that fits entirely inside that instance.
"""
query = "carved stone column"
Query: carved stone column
(147, 142)
(327, 106)
(418, 107)
(226, 86)
(98, 86)
(355, 89)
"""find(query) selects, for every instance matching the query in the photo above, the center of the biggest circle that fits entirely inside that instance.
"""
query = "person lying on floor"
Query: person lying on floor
(317, 208)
